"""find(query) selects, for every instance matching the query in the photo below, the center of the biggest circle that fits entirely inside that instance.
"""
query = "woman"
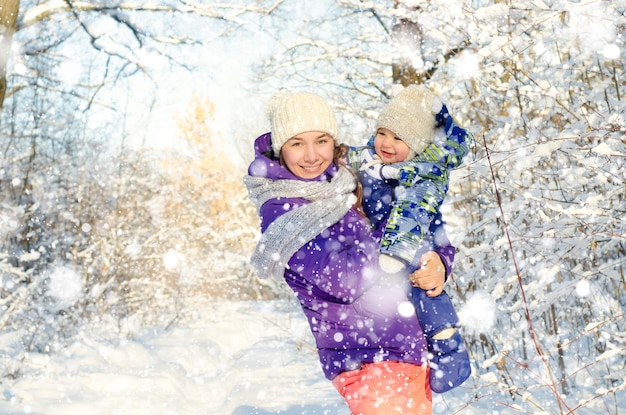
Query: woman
(369, 342)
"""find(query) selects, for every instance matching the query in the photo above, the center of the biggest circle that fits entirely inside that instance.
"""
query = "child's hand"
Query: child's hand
(380, 171)
(431, 276)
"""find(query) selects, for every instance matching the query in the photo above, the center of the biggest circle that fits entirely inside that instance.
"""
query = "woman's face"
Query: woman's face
(307, 155)
(389, 147)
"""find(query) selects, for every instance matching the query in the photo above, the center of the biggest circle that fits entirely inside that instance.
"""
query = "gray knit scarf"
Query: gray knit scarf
(330, 201)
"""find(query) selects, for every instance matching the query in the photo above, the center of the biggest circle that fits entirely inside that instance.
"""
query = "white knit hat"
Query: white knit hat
(410, 115)
(295, 113)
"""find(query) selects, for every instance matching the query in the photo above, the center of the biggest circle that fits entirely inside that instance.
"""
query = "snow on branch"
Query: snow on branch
(216, 11)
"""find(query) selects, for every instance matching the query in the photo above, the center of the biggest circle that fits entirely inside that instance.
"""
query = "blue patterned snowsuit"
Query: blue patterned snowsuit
(413, 200)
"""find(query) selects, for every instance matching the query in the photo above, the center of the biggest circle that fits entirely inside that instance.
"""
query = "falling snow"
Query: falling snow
(257, 357)
(65, 287)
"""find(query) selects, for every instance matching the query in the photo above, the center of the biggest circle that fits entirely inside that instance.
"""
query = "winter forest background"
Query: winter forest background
(126, 128)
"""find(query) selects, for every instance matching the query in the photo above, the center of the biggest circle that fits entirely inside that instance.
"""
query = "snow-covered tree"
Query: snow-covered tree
(536, 212)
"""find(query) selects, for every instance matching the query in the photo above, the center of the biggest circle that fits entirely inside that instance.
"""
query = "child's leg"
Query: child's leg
(412, 213)
(435, 314)
(449, 360)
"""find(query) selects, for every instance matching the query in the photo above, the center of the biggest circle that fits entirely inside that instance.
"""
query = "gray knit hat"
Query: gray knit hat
(295, 113)
(411, 117)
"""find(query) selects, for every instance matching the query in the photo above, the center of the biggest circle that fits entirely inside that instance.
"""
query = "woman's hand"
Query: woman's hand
(431, 276)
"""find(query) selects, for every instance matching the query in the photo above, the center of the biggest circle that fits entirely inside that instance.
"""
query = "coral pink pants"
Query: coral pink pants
(386, 388)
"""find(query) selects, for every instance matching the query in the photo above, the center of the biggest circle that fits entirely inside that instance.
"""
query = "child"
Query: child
(404, 170)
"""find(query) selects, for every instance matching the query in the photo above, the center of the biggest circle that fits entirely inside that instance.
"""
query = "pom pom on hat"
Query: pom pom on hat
(411, 116)
(293, 113)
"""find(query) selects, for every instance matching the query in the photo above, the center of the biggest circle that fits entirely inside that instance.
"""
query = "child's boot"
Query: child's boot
(449, 361)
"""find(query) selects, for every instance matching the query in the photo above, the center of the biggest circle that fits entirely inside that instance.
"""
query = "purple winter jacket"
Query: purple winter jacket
(355, 315)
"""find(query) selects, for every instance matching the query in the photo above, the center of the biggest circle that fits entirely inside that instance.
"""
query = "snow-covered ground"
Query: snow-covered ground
(225, 358)
(219, 358)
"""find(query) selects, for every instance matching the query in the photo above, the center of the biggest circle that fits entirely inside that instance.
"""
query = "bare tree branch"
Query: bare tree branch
(216, 11)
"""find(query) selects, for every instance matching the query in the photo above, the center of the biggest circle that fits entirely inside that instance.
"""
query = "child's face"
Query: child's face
(389, 147)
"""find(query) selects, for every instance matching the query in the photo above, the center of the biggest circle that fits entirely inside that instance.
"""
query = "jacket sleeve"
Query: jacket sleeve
(458, 140)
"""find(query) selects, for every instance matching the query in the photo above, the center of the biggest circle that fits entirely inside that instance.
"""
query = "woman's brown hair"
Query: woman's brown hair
(339, 157)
